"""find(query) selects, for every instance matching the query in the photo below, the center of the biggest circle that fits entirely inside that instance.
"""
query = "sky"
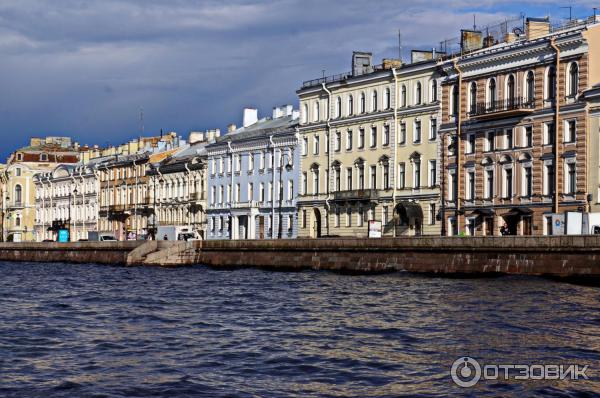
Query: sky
(86, 69)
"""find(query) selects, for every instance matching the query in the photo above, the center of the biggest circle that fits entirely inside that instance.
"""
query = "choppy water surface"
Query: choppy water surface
(90, 330)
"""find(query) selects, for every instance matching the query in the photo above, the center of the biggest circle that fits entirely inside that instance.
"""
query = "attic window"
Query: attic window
(44, 157)
(19, 156)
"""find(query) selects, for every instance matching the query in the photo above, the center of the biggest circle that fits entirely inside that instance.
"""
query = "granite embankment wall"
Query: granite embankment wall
(76, 252)
(562, 256)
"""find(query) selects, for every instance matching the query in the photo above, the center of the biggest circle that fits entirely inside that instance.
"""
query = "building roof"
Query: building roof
(262, 128)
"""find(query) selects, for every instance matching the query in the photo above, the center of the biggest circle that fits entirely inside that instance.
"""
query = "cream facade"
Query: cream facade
(369, 150)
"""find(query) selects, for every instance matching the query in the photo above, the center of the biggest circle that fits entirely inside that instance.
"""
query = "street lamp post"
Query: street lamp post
(288, 168)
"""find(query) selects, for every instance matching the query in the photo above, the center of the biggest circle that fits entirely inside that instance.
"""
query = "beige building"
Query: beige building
(19, 205)
(369, 150)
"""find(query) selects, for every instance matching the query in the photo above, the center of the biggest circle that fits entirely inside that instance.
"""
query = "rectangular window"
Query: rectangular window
(549, 179)
(571, 179)
(290, 223)
(432, 214)
(401, 176)
(360, 217)
(361, 177)
(349, 178)
(549, 133)
(570, 132)
(290, 190)
(349, 140)
(316, 145)
(326, 143)
(336, 221)
(303, 218)
(305, 146)
(509, 139)
(402, 137)
(508, 183)
(432, 173)
(361, 138)
(433, 129)
(250, 192)
(385, 215)
(373, 177)
(261, 161)
(316, 182)
(489, 141)
(261, 193)
(417, 175)
(527, 182)
(528, 136)
(489, 184)
(417, 132)
(386, 176)
(386, 135)
(373, 137)
(338, 141)
(471, 185)
(349, 217)
(470, 147)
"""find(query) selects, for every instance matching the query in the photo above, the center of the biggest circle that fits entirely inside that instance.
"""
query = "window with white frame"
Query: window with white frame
(385, 215)
(432, 173)
(250, 191)
(363, 105)
(373, 176)
(338, 141)
(470, 177)
(350, 105)
(528, 136)
(433, 90)
(338, 107)
(349, 139)
(304, 146)
(570, 130)
(316, 144)
(402, 134)
(573, 80)
(348, 216)
(489, 183)
(489, 141)
(336, 221)
(388, 98)
(349, 184)
(570, 176)
(360, 216)
(386, 135)
(304, 183)
(401, 175)
(416, 173)
(432, 214)
(417, 132)
(261, 192)
(432, 129)
(374, 104)
(316, 116)
(549, 133)
(470, 144)
(373, 137)
(548, 176)
(418, 94)
(527, 180)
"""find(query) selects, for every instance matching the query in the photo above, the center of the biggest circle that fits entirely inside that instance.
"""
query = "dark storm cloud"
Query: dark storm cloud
(85, 68)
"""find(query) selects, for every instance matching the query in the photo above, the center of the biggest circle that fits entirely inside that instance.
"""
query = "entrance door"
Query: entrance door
(317, 223)
(261, 227)
(527, 226)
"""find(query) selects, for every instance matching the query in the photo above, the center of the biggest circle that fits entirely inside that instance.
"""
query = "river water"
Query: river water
(102, 331)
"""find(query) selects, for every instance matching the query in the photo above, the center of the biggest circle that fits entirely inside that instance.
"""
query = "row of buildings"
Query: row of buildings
(503, 132)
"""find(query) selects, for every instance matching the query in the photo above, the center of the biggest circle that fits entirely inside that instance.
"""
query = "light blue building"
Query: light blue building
(253, 177)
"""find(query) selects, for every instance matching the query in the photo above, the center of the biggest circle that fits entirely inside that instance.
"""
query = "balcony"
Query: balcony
(365, 195)
(502, 108)
(17, 204)
(116, 208)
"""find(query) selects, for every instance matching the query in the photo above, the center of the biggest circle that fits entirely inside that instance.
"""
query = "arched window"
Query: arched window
(18, 194)
(510, 90)
(491, 92)
(551, 84)
(573, 79)
(473, 98)
(374, 100)
(350, 105)
(362, 103)
(316, 116)
(403, 96)
(454, 100)
(305, 113)
(418, 94)
(433, 90)
(338, 107)
(388, 98)
(530, 84)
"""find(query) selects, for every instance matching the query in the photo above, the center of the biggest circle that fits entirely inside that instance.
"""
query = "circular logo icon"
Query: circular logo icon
(465, 372)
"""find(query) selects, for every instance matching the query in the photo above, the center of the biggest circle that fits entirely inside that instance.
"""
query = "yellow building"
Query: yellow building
(369, 150)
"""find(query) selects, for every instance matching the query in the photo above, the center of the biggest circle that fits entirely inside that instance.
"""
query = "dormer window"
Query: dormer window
(19, 157)
(44, 157)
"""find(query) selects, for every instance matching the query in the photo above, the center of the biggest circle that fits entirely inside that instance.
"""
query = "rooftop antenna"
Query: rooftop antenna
(474, 24)
(399, 45)
(570, 12)
(142, 120)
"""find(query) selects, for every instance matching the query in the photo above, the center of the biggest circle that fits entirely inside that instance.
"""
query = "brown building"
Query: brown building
(516, 144)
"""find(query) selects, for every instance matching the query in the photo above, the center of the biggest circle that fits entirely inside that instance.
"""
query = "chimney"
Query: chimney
(537, 27)
(195, 137)
(231, 128)
(361, 63)
(277, 112)
(471, 40)
(217, 133)
(510, 37)
(250, 116)
(488, 41)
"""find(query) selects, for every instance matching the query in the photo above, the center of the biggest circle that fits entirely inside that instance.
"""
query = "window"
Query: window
(510, 90)
(550, 83)
(304, 183)
(527, 181)
(326, 142)
(403, 96)
(434, 90)
(549, 179)
(386, 135)
(337, 178)
(290, 223)
(316, 116)
(350, 105)
(508, 183)
(360, 217)
(432, 173)
(316, 145)
(250, 192)
(338, 107)
(362, 103)
(238, 193)
(508, 134)
(373, 177)
(417, 174)
(290, 194)
(361, 176)
(549, 133)
(305, 113)
(221, 194)
(432, 129)
(338, 141)
(418, 94)
(470, 185)
(473, 98)
(19, 157)
(454, 100)
(213, 194)
(385, 215)
(18, 172)
(44, 157)
(315, 181)
(373, 137)
(489, 141)
(374, 101)
(349, 217)
(528, 136)
(349, 179)
(417, 132)
(401, 176)
(452, 192)
(388, 98)
(337, 217)
(251, 162)
(238, 163)
(386, 176)
(489, 184)
(402, 138)
(304, 147)
(361, 138)
(530, 88)
(470, 147)
(491, 93)
(349, 139)
(573, 79)
(304, 219)
(570, 130)
(571, 179)
(432, 214)
(18, 194)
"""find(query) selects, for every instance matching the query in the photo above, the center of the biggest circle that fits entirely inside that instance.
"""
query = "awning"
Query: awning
(411, 209)
(518, 211)
(482, 212)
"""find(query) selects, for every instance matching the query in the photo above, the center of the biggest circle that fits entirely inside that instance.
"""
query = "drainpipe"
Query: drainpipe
(188, 171)
(458, 145)
(328, 135)
(163, 192)
(232, 182)
(556, 122)
(74, 207)
(97, 181)
(396, 97)
(273, 191)
(83, 219)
